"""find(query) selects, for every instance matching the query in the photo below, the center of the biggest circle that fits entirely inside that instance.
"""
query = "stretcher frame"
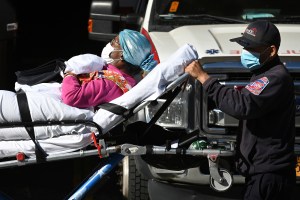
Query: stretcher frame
(82, 152)
(220, 180)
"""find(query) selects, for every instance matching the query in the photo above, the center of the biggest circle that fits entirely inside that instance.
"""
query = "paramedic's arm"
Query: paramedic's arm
(196, 71)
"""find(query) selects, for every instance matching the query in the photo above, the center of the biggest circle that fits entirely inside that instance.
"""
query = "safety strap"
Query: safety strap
(97, 145)
(26, 117)
(114, 108)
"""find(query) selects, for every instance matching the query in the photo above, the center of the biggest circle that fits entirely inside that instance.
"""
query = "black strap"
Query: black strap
(114, 108)
(26, 117)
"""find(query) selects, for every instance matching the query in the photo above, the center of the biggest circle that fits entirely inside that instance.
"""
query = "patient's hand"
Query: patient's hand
(195, 70)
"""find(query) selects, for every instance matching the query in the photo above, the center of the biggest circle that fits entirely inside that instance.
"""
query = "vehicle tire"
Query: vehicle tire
(134, 185)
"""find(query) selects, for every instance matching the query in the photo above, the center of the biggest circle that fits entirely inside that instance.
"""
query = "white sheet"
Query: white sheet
(50, 89)
(149, 88)
(42, 108)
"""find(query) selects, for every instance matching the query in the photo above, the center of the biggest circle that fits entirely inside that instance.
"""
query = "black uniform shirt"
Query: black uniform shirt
(266, 110)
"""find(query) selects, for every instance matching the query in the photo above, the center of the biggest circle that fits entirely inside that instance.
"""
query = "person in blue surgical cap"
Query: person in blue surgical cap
(130, 49)
(128, 58)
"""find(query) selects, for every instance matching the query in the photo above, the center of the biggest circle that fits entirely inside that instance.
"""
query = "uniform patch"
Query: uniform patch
(257, 86)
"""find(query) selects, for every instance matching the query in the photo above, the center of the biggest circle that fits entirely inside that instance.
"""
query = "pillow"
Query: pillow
(84, 63)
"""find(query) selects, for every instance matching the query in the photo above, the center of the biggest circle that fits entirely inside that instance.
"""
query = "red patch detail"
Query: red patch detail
(257, 86)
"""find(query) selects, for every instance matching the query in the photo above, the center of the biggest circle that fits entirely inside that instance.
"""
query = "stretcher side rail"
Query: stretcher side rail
(125, 150)
(63, 156)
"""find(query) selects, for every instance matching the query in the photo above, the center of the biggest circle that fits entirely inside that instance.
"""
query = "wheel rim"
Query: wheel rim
(221, 187)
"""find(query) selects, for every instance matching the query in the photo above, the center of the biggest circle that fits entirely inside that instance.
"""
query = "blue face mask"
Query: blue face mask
(250, 60)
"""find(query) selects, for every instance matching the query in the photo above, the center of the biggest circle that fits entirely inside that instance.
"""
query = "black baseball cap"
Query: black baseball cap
(259, 33)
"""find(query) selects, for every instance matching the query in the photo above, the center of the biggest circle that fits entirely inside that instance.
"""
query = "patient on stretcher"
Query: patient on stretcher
(43, 107)
(126, 57)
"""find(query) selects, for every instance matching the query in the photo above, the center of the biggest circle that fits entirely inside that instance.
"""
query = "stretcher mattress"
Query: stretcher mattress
(45, 105)
(42, 107)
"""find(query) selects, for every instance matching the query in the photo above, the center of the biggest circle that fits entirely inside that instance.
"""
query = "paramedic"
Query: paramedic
(266, 110)
(127, 56)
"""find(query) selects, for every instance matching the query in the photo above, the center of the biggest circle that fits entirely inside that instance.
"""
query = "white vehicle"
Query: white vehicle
(208, 26)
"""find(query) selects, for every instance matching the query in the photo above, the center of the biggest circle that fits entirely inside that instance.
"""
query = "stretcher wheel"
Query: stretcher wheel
(223, 185)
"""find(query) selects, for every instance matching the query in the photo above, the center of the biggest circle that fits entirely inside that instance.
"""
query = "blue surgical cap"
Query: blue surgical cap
(137, 49)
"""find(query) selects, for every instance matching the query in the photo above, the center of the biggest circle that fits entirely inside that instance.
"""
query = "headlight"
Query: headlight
(175, 116)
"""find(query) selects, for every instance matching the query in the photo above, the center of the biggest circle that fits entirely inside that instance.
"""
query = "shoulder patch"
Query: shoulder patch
(256, 87)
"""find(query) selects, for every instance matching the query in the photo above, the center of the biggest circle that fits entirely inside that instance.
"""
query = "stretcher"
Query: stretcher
(92, 134)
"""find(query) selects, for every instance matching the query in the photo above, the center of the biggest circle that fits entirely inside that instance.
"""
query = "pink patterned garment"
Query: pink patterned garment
(96, 91)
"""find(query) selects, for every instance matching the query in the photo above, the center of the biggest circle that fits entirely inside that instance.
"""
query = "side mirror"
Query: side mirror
(104, 24)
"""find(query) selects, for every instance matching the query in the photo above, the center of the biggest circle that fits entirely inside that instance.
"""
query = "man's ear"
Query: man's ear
(274, 50)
